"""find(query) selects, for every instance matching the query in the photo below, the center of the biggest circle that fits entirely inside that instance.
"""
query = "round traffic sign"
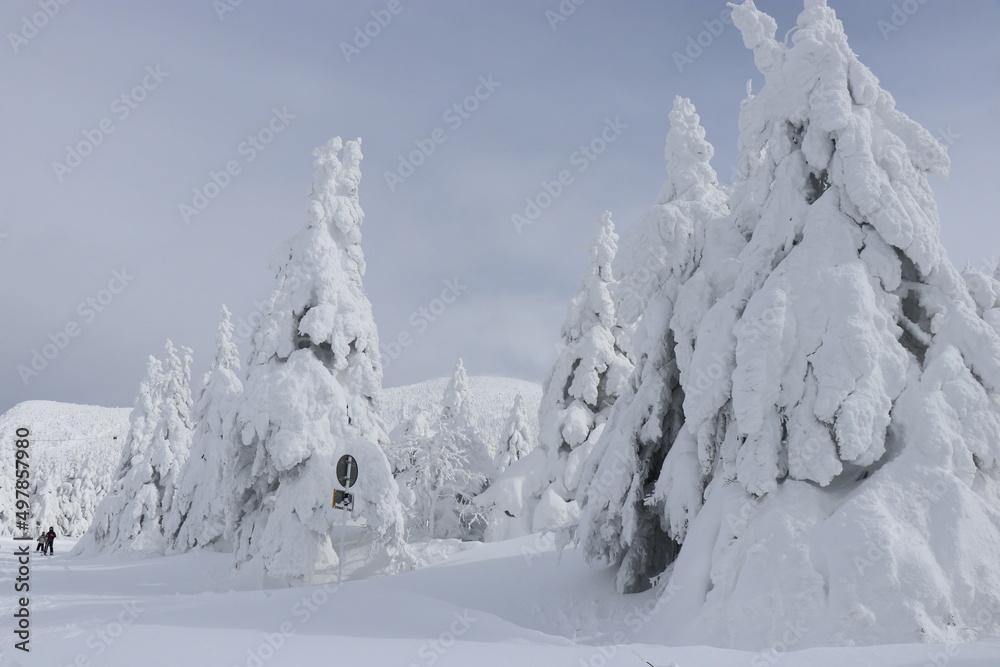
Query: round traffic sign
(347, 471)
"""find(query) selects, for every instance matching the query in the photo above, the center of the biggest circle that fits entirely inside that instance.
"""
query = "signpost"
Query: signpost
(347, 475)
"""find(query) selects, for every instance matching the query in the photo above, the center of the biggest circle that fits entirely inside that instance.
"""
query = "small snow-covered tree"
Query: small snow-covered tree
(660, 254)
(456, 423)
(200, 503)
(516, 441)
(465, 461)
(134, 515)
(438, 475)
(310, 392)
(589, 375)
(539, 493)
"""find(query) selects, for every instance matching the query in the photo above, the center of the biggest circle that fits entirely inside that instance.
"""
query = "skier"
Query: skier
(50, 538)
(41, 542)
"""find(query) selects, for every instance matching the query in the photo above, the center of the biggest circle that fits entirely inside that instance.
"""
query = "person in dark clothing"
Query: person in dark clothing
(50, 538)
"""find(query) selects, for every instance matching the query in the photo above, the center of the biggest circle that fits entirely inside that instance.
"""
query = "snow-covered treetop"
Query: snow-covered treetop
(453, 399)
(593, 303)
(820, 101)
(145, 413)
(515, 443)
(668, 239)
(688, 155)
(227, 355)
(319, 300)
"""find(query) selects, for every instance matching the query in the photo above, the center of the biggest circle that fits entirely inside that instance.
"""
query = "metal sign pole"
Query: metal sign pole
(343, 531)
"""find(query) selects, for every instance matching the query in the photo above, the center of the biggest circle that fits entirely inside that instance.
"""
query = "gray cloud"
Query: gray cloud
(120, 206)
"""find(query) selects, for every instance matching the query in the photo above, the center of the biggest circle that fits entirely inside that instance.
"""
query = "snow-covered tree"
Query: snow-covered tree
(589, 375)
(171, 444)
(660, 254)
(310, 392)
(840, 402)
(134, 515)
(516, 442)
(202, 491)
(539, 492)
(456, 423)
(439, 476)
(452, 465)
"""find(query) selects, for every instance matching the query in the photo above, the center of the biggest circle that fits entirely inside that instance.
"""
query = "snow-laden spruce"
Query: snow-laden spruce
(840, 400)
(659, 254)
(133, 516)
(200, 506)
(456, 423)
(586, 379)
(516, 441)
(309, 397)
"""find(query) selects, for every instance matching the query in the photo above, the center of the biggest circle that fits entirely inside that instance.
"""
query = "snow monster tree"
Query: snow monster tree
(659, 254)
(837, 469)
(309, 397)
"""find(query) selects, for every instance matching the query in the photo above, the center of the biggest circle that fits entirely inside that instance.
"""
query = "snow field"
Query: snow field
(504, 603)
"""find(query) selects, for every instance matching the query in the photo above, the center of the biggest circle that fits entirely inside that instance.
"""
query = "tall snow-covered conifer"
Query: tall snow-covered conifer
(130, 518)
(841, 399)
(539, 492)
(171, 444)
(310, 393)
(660, 253)
(587, 378)
(200, 503)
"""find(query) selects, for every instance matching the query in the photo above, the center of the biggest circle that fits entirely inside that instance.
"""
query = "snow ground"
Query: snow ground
(506, 603)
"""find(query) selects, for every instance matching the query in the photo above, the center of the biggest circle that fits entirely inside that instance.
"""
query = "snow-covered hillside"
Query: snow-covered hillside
(489, 401)
(75, 448)
(74, 451)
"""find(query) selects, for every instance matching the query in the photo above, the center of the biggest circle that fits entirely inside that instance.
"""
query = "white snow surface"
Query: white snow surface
(495, 604)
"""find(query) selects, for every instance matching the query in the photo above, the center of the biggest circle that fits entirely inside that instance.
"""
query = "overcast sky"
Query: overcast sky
(98, 242)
